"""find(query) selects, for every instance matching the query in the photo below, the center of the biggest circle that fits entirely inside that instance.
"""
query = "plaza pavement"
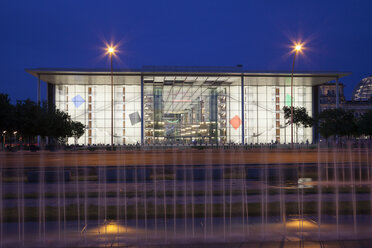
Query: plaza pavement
(180, 157)
(281, 244)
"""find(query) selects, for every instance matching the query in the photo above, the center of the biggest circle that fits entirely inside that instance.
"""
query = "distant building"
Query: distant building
(328, 97)
(361, 99)
(357, 107)
(363, 90)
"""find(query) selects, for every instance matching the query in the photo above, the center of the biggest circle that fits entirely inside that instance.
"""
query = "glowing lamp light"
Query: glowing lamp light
(111, 50)
(298, 47)
(296, 223)
(111, 228)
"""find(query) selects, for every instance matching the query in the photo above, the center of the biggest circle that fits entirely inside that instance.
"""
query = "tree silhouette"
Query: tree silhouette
(337, 122)
(31, 120)
(300, 118)
(365, 124)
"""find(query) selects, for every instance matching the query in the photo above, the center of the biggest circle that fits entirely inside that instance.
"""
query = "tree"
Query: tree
(28, 118)
(78, 130)
(300, 117)
(60, 127)
(45, 121)
(57, 125)
(6, 114)
(6, 117)
(326, 127)
(333, 122)
(364, 124)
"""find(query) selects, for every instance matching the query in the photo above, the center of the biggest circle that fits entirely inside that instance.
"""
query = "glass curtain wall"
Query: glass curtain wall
(190, 111)
(186, 110)
(264, 116)
(91, 105)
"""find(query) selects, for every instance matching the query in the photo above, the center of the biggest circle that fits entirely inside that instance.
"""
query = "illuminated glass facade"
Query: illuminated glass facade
(363, 90)
(191, 110)
(264, 118)
(184, 107)
(91, 105)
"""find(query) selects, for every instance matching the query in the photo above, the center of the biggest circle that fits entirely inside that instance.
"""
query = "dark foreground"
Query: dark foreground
(280, 244)
(187, 198)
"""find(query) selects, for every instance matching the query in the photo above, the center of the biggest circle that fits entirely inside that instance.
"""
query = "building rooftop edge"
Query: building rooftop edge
(196, 70)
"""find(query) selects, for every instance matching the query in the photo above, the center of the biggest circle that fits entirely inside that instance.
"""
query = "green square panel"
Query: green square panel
(288, 100)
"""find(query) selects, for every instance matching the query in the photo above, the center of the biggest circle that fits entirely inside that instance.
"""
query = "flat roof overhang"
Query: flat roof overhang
(132, 77)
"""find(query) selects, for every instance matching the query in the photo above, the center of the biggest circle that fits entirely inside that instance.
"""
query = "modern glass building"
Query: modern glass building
(183, 105)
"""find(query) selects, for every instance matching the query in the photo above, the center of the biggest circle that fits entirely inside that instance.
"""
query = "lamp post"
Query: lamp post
(4, 133)
(111, 51)
(15, 138)
(297, 49)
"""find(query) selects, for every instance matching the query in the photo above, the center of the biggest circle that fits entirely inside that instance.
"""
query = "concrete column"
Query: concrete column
(38, 103)
(38, 89)
(51, 94)
(142, 117)
(242, 100)
(315, 111)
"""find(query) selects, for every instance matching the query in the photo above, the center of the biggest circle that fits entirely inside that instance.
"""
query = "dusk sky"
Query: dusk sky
(257, 34)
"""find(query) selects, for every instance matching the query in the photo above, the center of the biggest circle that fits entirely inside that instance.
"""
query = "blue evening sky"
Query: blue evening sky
(256, 34)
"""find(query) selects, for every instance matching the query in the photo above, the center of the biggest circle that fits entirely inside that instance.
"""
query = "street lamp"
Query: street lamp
(297, 49)
(4, 133)
(111, 51)
(15, 137)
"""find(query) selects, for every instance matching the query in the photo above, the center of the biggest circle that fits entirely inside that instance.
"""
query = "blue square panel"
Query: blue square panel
(77, 100)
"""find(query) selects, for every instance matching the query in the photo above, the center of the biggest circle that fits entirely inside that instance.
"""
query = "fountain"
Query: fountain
(180, 195)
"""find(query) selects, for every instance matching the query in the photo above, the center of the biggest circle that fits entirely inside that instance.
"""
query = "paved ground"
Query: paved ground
(179, 157)
(282, 244)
